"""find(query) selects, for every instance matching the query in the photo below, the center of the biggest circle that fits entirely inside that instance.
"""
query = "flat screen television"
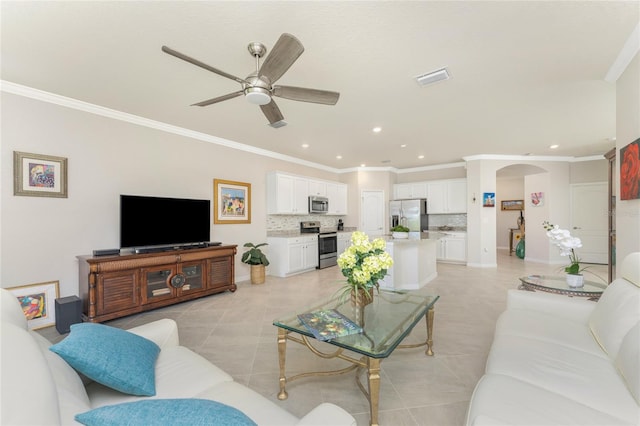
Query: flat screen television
(157, 221)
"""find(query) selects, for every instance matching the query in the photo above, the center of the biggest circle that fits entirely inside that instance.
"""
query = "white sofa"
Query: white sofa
(40, 388)
(557, 360)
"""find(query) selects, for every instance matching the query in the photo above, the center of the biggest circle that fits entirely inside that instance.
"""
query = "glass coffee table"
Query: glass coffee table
(385, 323)
(558, 284)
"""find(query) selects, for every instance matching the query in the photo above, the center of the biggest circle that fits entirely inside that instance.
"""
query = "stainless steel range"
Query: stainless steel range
(327, 242)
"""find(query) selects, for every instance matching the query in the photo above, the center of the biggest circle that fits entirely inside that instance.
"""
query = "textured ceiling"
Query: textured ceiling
(525, 75)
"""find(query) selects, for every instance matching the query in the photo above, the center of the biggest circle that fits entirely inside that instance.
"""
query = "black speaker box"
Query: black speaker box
(68, 312)
(106, 252)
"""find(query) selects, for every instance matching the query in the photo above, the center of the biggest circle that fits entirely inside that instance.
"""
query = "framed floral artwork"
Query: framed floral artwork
(37, 302)
(231, 202)
(630, 171)
(537, 199)
(37, 175)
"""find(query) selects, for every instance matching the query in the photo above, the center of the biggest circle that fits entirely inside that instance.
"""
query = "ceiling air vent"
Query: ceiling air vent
(433, 77)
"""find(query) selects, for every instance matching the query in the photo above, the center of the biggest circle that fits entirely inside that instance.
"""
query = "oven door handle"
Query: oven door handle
(327, 235)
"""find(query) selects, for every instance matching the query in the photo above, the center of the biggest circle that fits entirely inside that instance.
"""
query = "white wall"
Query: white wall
(627, 131)
(41, 237)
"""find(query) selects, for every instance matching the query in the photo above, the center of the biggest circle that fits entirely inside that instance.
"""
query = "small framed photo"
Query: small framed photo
(489, 199)
(231, 202)
(37, 175)
(512, 205)
(537, 199)
(37, 302)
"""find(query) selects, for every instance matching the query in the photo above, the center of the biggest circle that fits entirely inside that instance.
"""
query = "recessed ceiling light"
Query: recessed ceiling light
(421, 156)
(363, 165)
(404, 145)
(377, 129)
(554, 146)
(339, 157)
(305, 145)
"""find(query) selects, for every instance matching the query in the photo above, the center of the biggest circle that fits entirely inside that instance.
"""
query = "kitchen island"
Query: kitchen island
(414, 261)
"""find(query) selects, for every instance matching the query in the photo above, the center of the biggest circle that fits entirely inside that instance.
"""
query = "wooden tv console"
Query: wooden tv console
(115, 286)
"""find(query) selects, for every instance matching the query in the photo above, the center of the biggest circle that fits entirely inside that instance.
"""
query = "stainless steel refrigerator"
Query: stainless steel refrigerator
(410, 213)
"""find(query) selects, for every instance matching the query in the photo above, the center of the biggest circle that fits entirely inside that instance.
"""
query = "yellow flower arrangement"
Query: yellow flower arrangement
(364, 263)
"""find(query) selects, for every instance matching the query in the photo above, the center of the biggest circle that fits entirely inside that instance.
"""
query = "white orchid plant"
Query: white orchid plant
(567, 245)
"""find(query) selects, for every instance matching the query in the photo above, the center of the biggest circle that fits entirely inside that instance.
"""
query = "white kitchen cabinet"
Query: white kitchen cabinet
(403, 191)
(289, 256)
(287, 194)
(344, 241)
(447, 196)
(337, 195)
(452, 248)
(318, 188)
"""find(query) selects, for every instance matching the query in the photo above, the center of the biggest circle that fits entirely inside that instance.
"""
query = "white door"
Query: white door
(590, 220)
(372, 212)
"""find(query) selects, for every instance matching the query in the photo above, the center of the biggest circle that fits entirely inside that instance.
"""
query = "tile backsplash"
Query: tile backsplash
(292, 223)
(454, 220)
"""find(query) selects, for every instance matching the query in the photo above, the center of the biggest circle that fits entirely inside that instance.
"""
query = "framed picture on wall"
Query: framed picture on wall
(489, 199)
(37, 302)
(630, 171)
(231, 202)
(37, 175)
(512, 205)
(537, 199)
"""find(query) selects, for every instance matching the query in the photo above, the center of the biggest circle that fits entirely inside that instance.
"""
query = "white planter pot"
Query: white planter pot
(400, 234)
(575, 280)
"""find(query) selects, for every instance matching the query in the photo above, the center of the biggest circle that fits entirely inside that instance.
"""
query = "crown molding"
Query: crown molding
(626, 55)
(529, 158)
(40, 95)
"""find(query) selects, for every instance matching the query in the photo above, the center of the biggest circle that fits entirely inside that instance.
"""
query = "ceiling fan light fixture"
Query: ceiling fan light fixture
(278, 124)
(433, 77)
(257, 95)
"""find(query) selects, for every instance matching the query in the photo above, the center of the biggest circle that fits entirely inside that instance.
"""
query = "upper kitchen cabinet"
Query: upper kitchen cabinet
(337, 195)
(447, 196)
(287, 194)
(318, 188)
(403, 191)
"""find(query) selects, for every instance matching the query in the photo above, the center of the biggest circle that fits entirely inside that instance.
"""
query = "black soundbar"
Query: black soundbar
(106, 252)
(171, 247)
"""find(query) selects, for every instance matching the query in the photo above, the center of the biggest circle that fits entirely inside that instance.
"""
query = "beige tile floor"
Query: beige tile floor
(235, 332)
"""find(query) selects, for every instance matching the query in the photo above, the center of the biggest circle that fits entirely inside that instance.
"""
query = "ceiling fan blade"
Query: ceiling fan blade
(201, 64)
(272, 112)
(285, 52)
(219, 99)
(306, 95)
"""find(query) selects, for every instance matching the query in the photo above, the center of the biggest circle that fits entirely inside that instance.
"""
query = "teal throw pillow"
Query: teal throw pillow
(113, 357)
(161, 412)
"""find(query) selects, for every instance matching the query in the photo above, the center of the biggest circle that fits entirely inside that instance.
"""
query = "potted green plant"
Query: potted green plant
(257, 259)
(400, 231)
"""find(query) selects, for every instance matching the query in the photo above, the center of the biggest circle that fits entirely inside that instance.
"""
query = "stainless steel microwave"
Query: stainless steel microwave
(318, 204)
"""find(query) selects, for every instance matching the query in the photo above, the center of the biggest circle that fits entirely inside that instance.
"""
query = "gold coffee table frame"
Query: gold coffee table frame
(386, 322)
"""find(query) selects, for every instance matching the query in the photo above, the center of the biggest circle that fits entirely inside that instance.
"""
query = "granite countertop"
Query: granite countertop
(293, 233)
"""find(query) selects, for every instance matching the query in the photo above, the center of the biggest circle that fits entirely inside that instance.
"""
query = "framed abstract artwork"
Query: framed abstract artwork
(37, 302)
(37, 175)
(231, 202)
(630, 171)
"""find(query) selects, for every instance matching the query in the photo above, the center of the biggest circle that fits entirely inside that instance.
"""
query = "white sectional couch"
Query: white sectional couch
(557, 360)
(40, 388)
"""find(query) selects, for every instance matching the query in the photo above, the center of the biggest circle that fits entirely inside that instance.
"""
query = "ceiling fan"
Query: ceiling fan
(258, 87)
